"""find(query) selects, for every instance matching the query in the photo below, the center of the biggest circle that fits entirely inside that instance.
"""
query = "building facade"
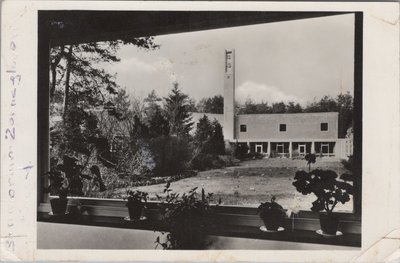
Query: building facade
(288, 134)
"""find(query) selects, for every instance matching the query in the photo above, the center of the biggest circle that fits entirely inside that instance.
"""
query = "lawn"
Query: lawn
(254, 181)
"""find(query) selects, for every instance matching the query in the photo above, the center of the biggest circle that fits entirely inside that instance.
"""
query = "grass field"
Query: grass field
(255, 181)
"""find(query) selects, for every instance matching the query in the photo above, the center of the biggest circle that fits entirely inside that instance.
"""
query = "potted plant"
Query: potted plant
(136, 201)
(330, 191)
(58, 185)
(66, 178)
(272, 214)
(186, 218)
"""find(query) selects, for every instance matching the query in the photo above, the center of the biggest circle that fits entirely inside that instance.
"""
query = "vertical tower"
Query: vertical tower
(229, 95)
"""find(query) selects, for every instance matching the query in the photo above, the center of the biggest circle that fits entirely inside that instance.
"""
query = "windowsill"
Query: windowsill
(230, 221)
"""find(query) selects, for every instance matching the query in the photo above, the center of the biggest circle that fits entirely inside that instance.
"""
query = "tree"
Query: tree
(158, 124)
(325, 104)
(293, 107)
(203, 133)
(80, 87)
(177, 113)
(263, 108)
(217, 138)
(211, 105)
(192, 105)
(279, 107)
(77, 75)
(152, 104)
(249, 107)
(345, 105)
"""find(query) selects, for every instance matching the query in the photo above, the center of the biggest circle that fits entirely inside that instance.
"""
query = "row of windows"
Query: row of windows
(282, 127)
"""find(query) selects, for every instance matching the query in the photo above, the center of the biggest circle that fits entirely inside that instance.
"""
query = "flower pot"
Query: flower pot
(59, 206)
(329, 223)
(272, 223)
(135, 210)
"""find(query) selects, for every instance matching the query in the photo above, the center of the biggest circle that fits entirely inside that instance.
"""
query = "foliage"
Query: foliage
(211, 105)
(271, 210)
(79, 89)
(310, 158)
(349, 163)
(187, 219)
(155, 117)
(136, 197)
(203, 134)
(171, 155)
(58, 184)
(255, 155)
(209, 143)
(217, 138)
(176, 108)
(325, 186)
(67, 177)
(74, 67)
(240, 151)
(204, 161)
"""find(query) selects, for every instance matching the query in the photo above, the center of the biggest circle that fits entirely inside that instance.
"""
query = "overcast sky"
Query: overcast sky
(291, 61)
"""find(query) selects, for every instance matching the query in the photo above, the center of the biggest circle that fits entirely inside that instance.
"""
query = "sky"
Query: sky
(298, 61)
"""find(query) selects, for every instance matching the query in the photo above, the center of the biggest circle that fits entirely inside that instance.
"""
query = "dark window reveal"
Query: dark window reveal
(282, 127)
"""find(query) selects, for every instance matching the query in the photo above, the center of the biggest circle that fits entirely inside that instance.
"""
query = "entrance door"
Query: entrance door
(302, 149)
(280, 148)
(259, 148)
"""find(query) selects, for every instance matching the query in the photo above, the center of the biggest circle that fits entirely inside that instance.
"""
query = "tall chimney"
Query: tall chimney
(229, 95)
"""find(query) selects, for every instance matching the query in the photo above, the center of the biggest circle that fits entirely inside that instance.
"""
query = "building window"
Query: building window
(259, 148)
(282, 127)
(243, 128)
(324, 126)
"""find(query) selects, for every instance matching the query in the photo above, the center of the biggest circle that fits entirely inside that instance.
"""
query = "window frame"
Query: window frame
(323, 124)
(241, 126)
(282, 127)
(239, 215)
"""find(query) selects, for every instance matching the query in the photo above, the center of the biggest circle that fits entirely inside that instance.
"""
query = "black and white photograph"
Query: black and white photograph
(200, 131)
(209, 128)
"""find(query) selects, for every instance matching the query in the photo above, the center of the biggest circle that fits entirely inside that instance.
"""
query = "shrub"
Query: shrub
(171, 155)
(228, 160)
(203, 161)
(240, 151)
(273, 154)
(254, 155)
(349, 163)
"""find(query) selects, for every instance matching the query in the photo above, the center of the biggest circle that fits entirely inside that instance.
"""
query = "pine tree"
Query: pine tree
(177, 112)
(217, 139)
(152, 102)
(158, 124)
(204, 131)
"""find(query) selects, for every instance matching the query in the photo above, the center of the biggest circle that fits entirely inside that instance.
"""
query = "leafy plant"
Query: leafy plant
(58, 184)
(136, 203)
(327, 188)
(186, 217)
(272, 214)
(66, 178)
(135, 196)
(310, 158)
